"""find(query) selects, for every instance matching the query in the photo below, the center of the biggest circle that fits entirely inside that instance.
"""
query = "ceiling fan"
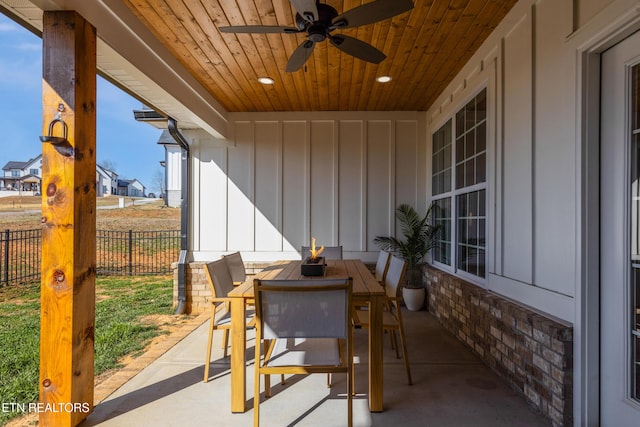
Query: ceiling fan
(318, 20)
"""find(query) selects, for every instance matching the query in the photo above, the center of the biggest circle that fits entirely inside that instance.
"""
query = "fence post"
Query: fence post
(130, 252)
(5, 275)
(19, 244)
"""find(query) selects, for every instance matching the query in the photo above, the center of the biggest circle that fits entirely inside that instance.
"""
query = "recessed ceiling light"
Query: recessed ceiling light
(266, 80)
(383, 79)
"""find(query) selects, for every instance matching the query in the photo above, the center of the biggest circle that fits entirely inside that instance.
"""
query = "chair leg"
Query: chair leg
(256, 381)
(350, 387)
(256, 395)
(225, 342)
(392, 340)
(404, 348)
(267, 386)
(406, 358)
(353, 377)
(394, 343)
(207, 361)
(267, 348)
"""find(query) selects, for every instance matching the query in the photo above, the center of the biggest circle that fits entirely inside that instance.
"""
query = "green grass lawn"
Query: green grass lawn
(121, 329)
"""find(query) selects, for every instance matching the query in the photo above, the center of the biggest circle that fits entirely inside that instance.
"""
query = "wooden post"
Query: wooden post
(67, 316)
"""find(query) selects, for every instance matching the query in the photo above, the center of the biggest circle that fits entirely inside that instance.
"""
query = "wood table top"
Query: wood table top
(364, 283)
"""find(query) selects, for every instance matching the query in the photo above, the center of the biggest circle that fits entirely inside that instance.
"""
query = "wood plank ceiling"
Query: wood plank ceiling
(425, 47)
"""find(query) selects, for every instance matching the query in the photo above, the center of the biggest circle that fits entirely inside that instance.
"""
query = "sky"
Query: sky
(121, 141)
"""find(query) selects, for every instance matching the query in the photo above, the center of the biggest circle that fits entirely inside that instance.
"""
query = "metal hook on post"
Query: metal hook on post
(60, 143)
(56, 139)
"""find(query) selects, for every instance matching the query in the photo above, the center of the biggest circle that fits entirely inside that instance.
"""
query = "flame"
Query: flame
(314, 252)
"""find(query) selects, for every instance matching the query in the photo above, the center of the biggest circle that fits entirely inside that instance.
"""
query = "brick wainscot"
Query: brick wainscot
(533, 353)
(198, 292)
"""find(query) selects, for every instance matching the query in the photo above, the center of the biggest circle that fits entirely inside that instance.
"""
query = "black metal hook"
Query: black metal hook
(60, 143)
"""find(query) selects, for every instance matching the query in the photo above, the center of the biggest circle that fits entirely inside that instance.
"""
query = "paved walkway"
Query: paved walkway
(451, 388)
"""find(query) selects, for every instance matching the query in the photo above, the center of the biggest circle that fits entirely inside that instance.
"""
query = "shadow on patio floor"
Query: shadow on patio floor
(451, 388)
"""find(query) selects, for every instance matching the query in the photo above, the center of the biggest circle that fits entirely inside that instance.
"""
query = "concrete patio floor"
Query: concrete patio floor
(451, 388)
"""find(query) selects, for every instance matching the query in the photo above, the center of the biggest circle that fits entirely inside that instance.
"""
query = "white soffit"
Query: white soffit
(130, 57)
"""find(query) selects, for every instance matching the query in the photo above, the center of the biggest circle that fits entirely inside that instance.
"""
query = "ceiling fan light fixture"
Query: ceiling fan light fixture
(266, 80)
(318, 20)
(383, 79)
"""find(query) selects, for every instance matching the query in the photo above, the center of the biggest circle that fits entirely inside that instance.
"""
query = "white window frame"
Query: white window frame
(454, 192)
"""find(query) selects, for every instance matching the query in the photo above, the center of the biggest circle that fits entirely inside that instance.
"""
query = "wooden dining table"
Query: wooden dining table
(366, 291)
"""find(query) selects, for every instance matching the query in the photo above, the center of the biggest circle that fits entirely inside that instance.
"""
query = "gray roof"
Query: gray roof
(15, 165)
(19, 165)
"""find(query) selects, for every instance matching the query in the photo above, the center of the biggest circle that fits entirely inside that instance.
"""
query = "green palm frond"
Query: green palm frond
(419, 235)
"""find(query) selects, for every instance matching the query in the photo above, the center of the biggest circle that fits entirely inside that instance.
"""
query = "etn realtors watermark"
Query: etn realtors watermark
(40, 407)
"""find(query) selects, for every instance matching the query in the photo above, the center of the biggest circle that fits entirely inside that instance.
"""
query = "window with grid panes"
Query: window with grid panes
(441, 185)
(460, 197)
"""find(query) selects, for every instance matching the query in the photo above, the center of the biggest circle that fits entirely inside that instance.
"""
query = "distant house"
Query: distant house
(106, 182)
(25, 176)
(130, 188)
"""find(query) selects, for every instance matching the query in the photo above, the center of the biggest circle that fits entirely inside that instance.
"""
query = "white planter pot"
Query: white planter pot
(414, 298)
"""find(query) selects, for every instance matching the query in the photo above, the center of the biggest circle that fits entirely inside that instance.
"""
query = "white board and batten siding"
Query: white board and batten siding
(286, 177)
(529, 71)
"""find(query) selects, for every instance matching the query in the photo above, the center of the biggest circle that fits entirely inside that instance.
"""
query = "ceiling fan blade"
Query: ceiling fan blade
(306, 8)
(357, 48)
(300, 56)
(369, 13)
(258, 29)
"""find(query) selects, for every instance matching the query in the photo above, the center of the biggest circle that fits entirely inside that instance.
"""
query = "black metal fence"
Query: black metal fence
(126, 253)
(131, 253)
(20, 254)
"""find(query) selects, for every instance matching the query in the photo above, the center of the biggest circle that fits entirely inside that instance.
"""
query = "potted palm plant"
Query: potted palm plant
(418, 237)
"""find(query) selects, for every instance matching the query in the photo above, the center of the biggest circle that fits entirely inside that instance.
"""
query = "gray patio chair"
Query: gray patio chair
(220, 284)
(392, 316)
(236, 267)
(380, 272)
(382, 266)
(303, 327)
